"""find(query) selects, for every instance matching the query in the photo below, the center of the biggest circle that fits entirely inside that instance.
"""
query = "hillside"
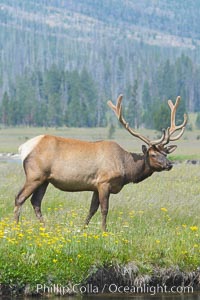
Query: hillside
(117, 42)
(155, 21)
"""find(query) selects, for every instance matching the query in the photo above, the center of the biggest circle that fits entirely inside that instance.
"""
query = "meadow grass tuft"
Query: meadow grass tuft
(153, 224)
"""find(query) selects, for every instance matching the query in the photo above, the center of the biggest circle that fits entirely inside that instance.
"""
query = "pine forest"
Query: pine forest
(60, 61)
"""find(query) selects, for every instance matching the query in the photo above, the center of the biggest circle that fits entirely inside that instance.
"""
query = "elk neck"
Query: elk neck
(137, 168)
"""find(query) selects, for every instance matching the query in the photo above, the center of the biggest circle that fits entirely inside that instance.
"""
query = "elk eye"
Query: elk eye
(153, 155)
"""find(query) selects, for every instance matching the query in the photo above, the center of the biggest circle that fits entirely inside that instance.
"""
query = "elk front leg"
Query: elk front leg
(93, 207)
(104, 194)
(36, 200)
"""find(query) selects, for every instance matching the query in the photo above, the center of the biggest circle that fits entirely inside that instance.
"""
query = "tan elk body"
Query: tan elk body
(102, 167)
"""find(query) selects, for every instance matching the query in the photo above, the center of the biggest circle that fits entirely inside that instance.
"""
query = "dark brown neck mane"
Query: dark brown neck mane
(137, 168)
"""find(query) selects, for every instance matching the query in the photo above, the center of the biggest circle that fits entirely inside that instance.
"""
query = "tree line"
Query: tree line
(51, 98)
(73, 98)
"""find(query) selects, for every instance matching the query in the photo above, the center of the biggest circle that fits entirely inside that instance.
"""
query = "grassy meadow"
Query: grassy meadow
(154, 223)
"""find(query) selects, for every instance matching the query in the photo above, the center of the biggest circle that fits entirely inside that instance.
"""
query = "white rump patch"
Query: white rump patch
(26, 148)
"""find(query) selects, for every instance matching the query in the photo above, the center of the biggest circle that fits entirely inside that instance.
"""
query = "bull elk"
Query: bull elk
(102, 167)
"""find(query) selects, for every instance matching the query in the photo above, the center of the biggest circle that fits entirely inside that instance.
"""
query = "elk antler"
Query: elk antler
(118, 111)
(170, 130)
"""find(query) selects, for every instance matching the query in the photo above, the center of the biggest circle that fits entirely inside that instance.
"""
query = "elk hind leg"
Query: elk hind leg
(28, 188)
(36, 200)
(93, 207)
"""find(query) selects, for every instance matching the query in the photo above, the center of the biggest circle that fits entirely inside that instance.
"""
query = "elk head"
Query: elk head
(155, 154)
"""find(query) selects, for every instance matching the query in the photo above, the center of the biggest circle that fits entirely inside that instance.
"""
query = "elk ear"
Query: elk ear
(170, 149)
(144, 149)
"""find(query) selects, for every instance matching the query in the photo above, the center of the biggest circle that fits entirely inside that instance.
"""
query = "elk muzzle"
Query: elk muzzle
(169, 165)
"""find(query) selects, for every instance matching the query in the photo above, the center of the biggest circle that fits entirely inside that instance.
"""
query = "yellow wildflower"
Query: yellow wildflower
(164, 209)
(105, 234)
(20, 235)
(96, 236)
(125, 241)
(42, 228)
(194, 228)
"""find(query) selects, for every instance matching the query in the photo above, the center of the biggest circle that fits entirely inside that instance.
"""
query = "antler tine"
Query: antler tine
(173, 126)
(178, 136)
(170, 130)
(160, 140)
(173, 108)
(118, 108)
(118, 111)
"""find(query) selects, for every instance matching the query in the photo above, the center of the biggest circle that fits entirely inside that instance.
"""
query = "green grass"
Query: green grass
(153, 224)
